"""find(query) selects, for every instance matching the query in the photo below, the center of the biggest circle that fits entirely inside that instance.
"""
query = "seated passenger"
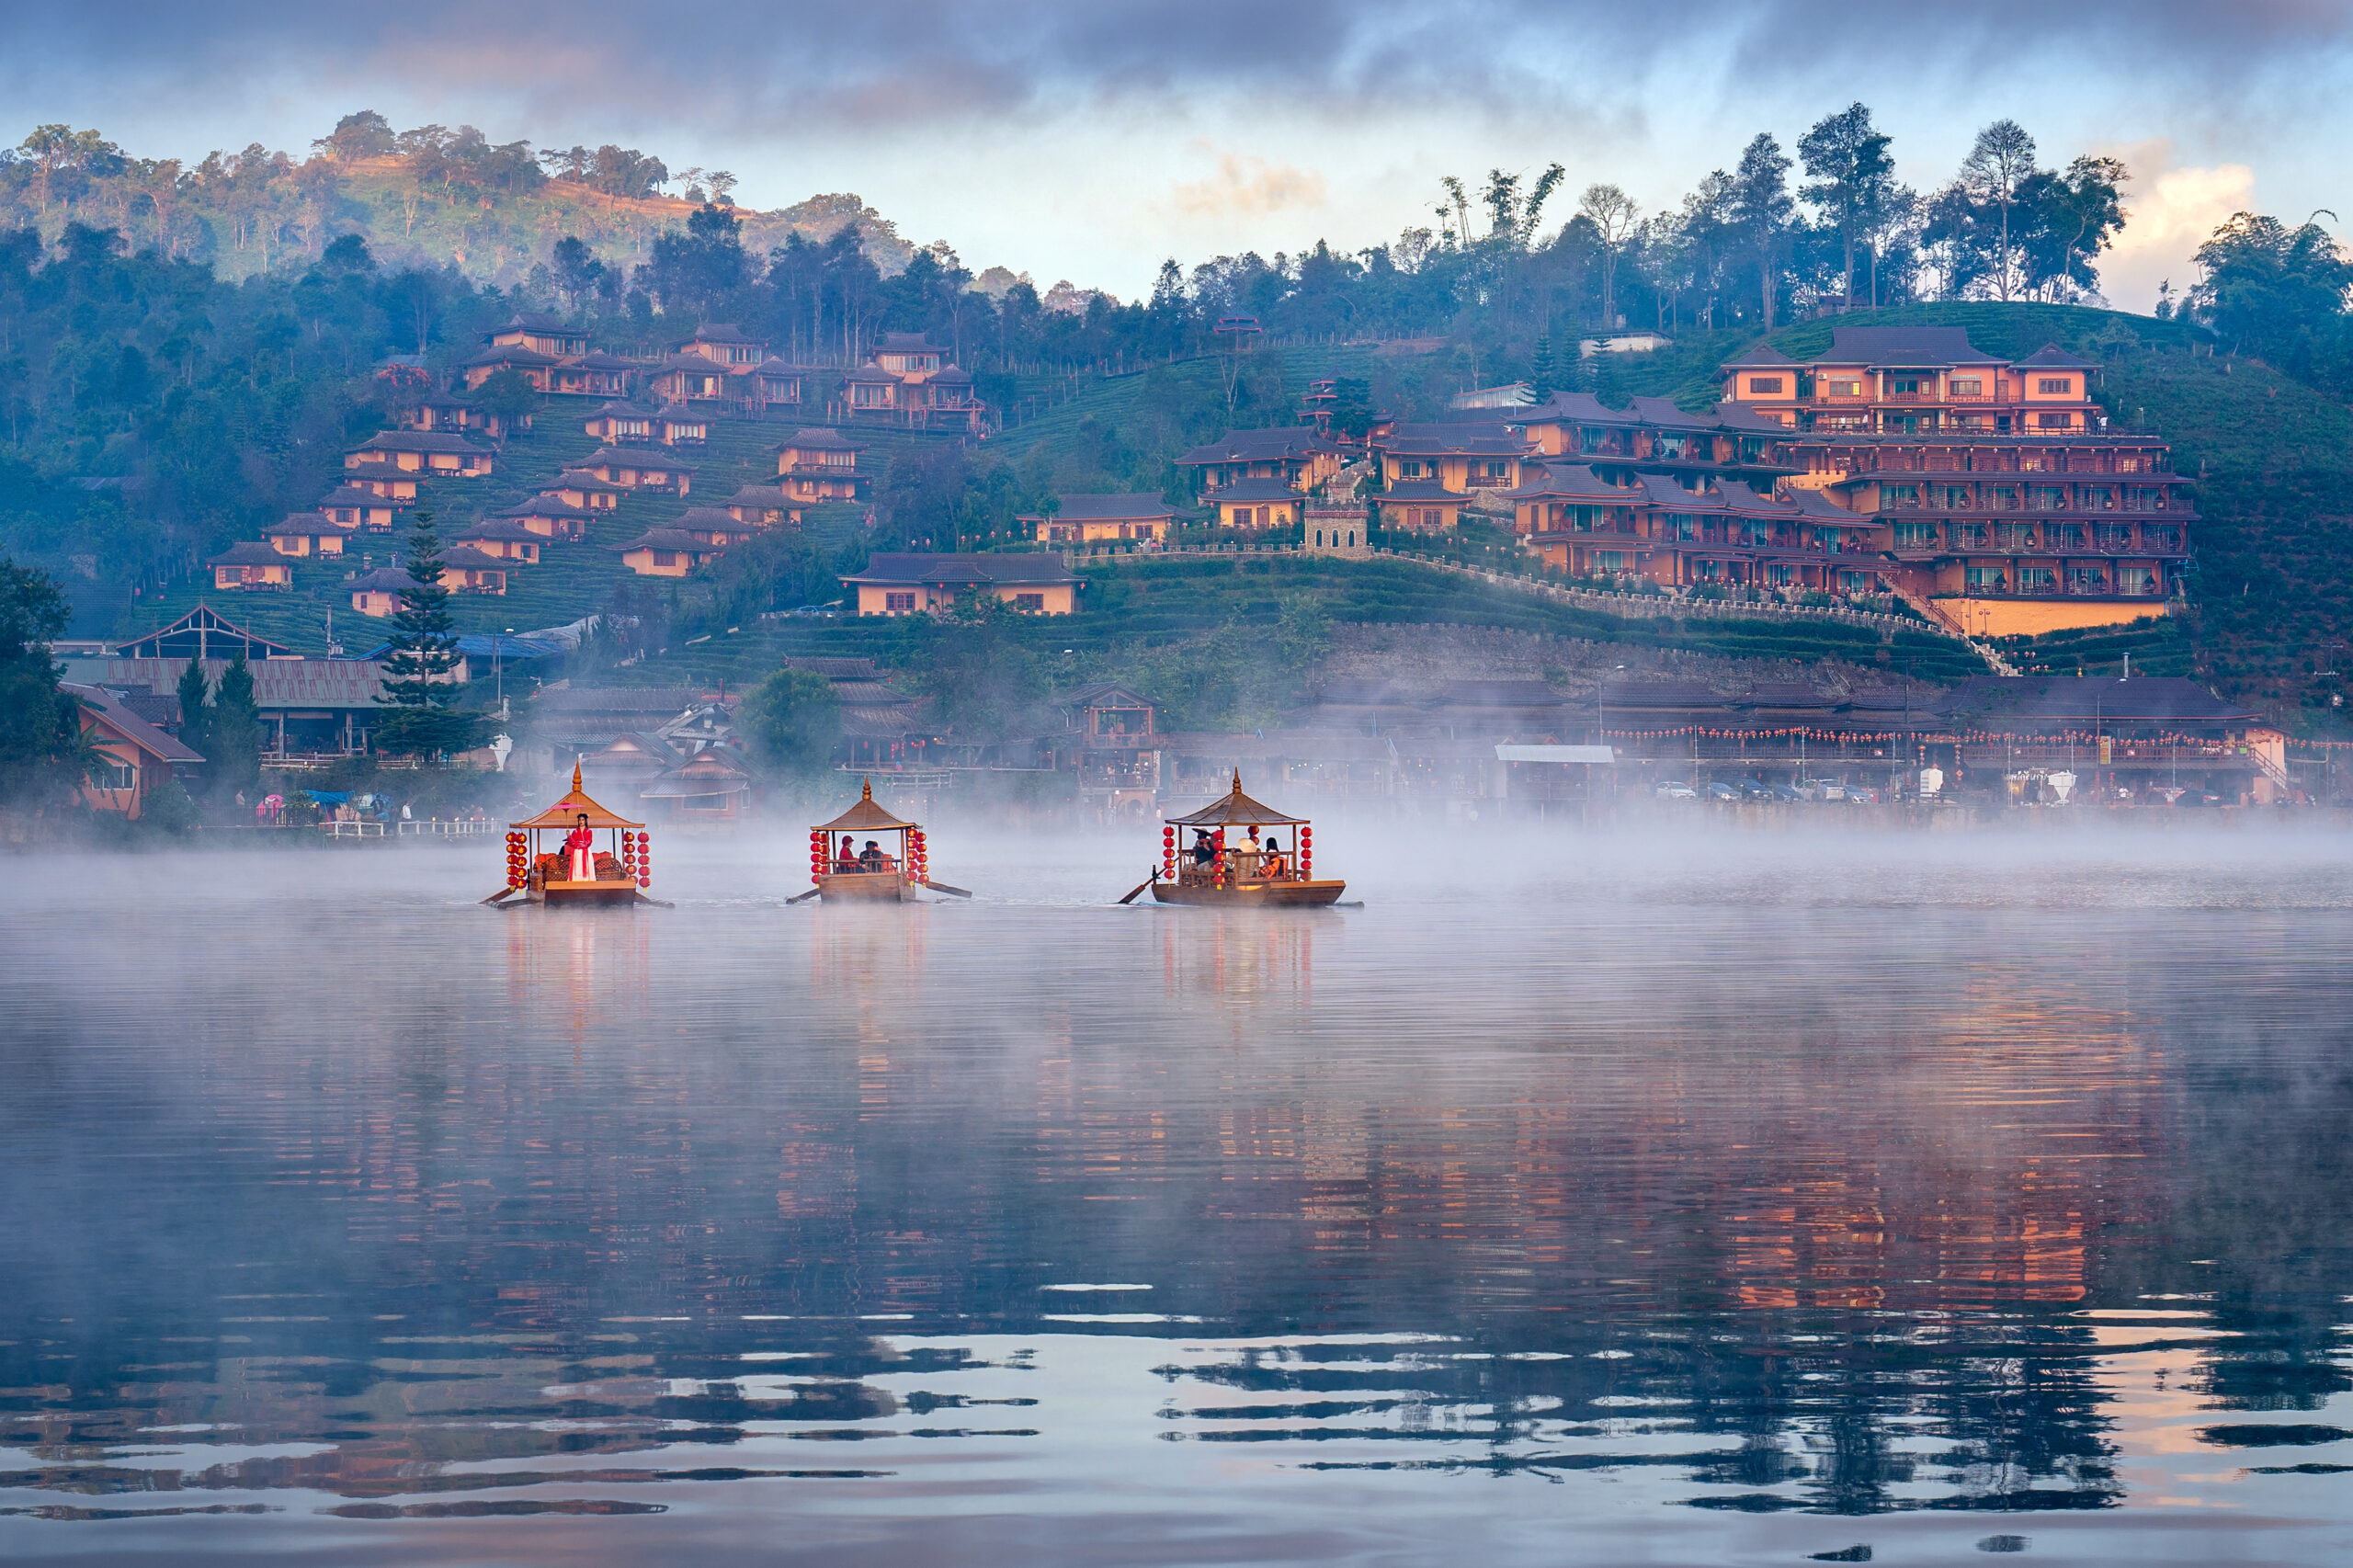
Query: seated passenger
(1270, 864)
(846, 861)
(1204, 852)
(874, 859)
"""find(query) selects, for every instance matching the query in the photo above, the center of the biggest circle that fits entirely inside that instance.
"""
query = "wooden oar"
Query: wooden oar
(1140, 886)
(799, 898)
(943, 887)
(501, 893)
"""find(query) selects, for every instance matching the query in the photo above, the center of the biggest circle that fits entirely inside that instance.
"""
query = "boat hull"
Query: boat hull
(865, 887)
(1251, 894)
(591, 893)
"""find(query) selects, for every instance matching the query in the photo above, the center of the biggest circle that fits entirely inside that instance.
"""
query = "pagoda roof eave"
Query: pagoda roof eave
(864, 817)
(1236, 810)
(568, 812)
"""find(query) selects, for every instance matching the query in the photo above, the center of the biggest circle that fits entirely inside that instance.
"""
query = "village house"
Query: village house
(534, 367)
(308, 533)
(138, 757)
(713, 525)
(639, 468)
(1725, 534)
(765, 504)
(1458, 459)
(595, 374)
(726, 345)
(549, 516)
(309, 706)
(503, 538)
(1655, 436)
(450, 413)
(1100, 519)
(707, 788)
(618, 423)
(1293, 454)
(385, 485)
(2007, 506)
(542, 333)
(417, 451)
(249, 566)
(465, 570)
(908, 379)
(666, 552)
(687, 378)
(354, 508)
(588, 491)
(1257, 504)
(915, 583)
(1111, 745)
(1418, 506)
(555, 358)
(379, 593)
(779, 384)
(678, 425)
(818, 464)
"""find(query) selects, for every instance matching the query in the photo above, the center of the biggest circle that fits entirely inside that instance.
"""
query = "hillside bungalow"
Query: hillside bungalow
(442, 411)
(542, 333)
(677, 425)
(308, 533)
(765, 504)
(1419, 506)
(818, 464)
(577, 488)
(909, 381)
(530, 363)
(379, 593)
(913, 585)
(136, 757)
(1292, 454)
(619, 423)
(385, 485)
(666, 552)
(249, 566)
(639, 468)
(1257, 504)
(502, 537)
(465, 570)
(1096, 520)
(687, 378)
(713, 525)
(417, 451)
(707, 787)
(355, 507)
(599, 374)
(1457, 458)
(726, 345)
(779, 384)
(548, 516)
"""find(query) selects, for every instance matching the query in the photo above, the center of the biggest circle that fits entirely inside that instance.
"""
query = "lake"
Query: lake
(1670, 1198)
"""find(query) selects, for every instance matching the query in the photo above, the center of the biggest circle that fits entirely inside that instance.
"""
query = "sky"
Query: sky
(1087, 140)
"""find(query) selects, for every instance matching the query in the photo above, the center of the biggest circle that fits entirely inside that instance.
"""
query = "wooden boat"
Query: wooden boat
(881, 877)
(619, 873)
(1231, 873)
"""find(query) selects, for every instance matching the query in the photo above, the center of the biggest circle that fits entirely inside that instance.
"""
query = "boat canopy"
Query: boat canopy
(1237, 809)
(864, 817)
(567, 811)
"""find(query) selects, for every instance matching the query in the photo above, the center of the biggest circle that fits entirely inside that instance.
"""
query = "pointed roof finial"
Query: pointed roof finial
(1237, 781)
(575, 775)
(866, 789)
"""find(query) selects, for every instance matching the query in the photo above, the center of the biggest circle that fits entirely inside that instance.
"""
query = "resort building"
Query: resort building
(1101, 519)
(308, 533)
(379, 593)
(1457, 459)
(687, 378)
(384, 484)
(779, 384)
(588, 491)
(619, 423)
(1257, 504)
(666, 552)
(639, 468)
(909, 379)
(465, 570)
(678, 425)
(249, 566)
(818, 464)
(766, 506)
(534, 367)
(713, 525)
(1293, 454)
(353, 507)
(554, 358)
(550, 516)
(419, 452)
(542, 333)
(135, 755)
(503, 539)
(1036, 581)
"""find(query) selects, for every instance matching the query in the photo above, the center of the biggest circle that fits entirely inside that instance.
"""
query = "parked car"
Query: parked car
(1750, 790)
(1722, 791)
(1862, 794)
(1675, 789)
(1784, 792)
(1824, 790)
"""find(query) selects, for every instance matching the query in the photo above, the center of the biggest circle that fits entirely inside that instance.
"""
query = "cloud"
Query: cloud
(1248, 186)
(2170, 210)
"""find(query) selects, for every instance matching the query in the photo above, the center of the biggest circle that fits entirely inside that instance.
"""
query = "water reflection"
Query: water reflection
(1735, 1218)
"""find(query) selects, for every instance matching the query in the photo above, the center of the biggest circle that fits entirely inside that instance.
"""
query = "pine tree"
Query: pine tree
(196, 709)
(424, 672)
(1541, 374)
(235, 731)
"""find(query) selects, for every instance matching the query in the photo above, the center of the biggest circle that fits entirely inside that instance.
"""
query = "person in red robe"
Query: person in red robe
(580, 853)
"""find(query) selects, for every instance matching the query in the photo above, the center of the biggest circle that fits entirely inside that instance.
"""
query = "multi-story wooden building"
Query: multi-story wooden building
(818, 464)
(2001, 493)
(1101, 519)
(909, 379)
(419, 452)
(554, 358)
(1037, 583)
(1293, 455)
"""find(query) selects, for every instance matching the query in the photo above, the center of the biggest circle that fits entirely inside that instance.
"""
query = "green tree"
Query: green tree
(1760, 209)
(792, 719)
(2001, 161)
(509, 396)
(235, 733)
(37, 724)
(1846, 156)
(423, 674)
(196, 709)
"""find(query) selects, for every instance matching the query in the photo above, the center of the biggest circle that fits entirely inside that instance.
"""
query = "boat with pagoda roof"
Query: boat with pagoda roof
(1229, 863)
(846, 865)
(577, 870)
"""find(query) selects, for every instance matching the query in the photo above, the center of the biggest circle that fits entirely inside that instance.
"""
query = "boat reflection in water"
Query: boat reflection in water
(1763, 1230)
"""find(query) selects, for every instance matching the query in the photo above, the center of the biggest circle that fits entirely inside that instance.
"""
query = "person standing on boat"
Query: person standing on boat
(580, 853)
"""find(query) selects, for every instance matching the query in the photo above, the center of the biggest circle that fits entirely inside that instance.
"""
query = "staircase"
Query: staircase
(1933, 613)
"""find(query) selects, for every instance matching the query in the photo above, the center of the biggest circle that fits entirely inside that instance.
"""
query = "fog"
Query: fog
(1770, 1189)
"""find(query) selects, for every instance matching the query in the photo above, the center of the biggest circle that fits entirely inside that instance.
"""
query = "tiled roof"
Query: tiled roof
(1260, 446)
(129, 725)
(1902, 347)
(1126, 507)
(1253, 490)
(417, 441)
(665, 539)
(248, 552)
(2051, 356)
(1022, 567)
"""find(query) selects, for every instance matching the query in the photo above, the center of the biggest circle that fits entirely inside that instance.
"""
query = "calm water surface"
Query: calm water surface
(1687, 1200)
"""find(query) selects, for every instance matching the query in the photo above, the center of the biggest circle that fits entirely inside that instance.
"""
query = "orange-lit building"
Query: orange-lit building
(1100, 519)
(818, 464)
(1036, 581)
(251, 565)
(1293, 455)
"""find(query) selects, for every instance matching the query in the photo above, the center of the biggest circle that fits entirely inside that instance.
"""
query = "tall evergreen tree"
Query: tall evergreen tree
(196, 709)
(37, 723)
(235, 733)
(423, 674)
(1543, 373)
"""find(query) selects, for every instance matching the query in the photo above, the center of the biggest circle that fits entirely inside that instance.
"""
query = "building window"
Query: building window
(1764, 386)
(1899, 495)
(1846, 389)
(1409, 469)
(1781, 575)
(2054, 421)
(897, 603)
(665, 558)
(1954, 498)
(1986, 579)
(2137, 581)
(113, 775)
(1035, 602)
(1609, 561)
(2056, 386)
(1970, 535)
(1969, 386)
(1903, 386)
(2038, 580)
(1915, 536)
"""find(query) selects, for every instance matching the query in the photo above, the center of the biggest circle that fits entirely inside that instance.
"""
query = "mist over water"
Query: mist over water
(1666, 1195)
